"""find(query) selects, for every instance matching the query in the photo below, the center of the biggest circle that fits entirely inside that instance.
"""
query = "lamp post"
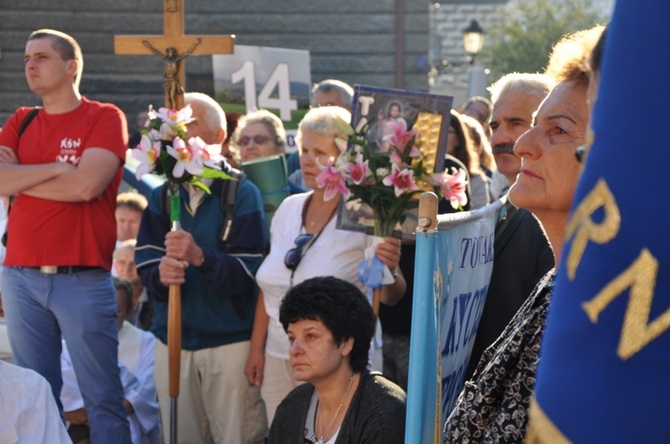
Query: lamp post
(473, 41)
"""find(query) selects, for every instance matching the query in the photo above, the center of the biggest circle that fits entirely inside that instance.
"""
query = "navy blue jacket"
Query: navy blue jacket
(218, 298)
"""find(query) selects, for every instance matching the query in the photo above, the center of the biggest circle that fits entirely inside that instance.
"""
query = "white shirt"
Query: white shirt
(28, 411)
(136, 362)
(335, 253)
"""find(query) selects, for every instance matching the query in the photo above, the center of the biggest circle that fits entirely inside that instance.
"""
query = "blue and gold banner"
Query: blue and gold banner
(604, 373)
(452, 272)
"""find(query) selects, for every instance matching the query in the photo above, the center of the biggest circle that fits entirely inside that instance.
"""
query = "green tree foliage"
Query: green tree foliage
(522, 40)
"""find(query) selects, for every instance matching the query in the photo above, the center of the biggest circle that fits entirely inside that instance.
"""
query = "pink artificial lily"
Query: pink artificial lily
(400, 137)
(332, 179)
(210, 154)
(358, 171)
(147, 153)
(453, 186)
(188, 158)
(401, 179)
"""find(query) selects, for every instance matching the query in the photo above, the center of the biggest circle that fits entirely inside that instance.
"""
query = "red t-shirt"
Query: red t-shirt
(48, 232)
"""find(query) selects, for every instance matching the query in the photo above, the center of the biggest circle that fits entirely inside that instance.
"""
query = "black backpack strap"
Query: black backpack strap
(229, 189)
(227, 195)
(29, 118)
(26, 121)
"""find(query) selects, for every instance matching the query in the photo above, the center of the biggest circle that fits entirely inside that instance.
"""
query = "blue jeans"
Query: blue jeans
(81, 307)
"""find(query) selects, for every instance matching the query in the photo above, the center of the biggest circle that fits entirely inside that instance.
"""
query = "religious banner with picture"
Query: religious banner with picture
(395, 150)
(401, 137)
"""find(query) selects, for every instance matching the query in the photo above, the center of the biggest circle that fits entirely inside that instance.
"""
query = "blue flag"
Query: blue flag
(451, 276)
(604, 373)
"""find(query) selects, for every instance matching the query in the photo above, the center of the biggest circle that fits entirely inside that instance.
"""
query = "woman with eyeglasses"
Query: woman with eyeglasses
(304, 243)
(259, 134)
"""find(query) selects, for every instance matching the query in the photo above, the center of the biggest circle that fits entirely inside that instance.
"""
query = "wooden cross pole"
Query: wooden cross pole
(173, 47)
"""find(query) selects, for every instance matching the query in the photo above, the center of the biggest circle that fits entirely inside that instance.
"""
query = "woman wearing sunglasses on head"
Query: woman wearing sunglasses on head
(304, 243)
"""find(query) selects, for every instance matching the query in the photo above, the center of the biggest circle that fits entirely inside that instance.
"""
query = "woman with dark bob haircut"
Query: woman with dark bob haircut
(330, 325)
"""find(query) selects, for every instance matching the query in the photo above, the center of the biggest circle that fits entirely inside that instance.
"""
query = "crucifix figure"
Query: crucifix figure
(171, 62)
(173, 47)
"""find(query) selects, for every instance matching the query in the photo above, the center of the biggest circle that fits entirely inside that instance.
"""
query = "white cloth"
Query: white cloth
(335, 253)
(28, 411)
(136, 361)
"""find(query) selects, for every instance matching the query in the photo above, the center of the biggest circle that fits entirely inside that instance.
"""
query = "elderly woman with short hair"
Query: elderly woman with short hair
(493, 406)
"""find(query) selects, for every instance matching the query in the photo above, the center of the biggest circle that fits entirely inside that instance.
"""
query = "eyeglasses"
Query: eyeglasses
(294, 255)
(258, 140)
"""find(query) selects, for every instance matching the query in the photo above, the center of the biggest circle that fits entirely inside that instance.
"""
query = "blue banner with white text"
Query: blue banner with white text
(451, 278)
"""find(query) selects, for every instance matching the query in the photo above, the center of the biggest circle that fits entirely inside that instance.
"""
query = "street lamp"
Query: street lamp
(473, 40)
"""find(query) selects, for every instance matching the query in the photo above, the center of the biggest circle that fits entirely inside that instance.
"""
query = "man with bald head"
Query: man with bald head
(521, 252)
(215, 263)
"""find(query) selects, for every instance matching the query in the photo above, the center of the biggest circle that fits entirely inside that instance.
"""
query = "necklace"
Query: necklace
(322, 439)
(313, 222)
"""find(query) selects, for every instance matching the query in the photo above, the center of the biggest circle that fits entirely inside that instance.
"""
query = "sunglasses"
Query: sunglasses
(257, 140)
(294, 255)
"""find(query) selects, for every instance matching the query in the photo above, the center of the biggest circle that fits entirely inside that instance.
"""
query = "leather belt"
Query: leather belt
(65, 269)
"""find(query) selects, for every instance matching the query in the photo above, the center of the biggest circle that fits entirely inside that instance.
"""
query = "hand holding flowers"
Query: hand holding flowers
(164, 149)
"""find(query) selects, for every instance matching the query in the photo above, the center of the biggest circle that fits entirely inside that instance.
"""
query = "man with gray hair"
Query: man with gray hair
(521, 252)
(331, 92)
(515, 97)
(215, 264)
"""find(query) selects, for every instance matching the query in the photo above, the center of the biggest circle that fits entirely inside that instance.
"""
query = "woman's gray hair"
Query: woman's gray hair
(322, 121)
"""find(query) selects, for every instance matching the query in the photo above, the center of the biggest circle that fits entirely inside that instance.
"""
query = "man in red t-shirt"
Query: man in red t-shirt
(64, 169)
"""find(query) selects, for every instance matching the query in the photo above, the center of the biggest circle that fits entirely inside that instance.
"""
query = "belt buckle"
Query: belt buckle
(49, 269)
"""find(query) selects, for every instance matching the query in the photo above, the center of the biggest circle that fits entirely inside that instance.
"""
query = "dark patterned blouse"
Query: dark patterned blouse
(493, 406)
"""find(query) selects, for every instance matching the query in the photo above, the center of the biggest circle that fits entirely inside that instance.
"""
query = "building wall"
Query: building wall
(447, 21)
(348, 39)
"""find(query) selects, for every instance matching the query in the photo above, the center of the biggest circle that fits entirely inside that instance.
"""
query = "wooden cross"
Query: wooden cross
(173, 47)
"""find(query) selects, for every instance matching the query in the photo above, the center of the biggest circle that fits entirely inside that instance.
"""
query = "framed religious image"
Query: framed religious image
(382, 109)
